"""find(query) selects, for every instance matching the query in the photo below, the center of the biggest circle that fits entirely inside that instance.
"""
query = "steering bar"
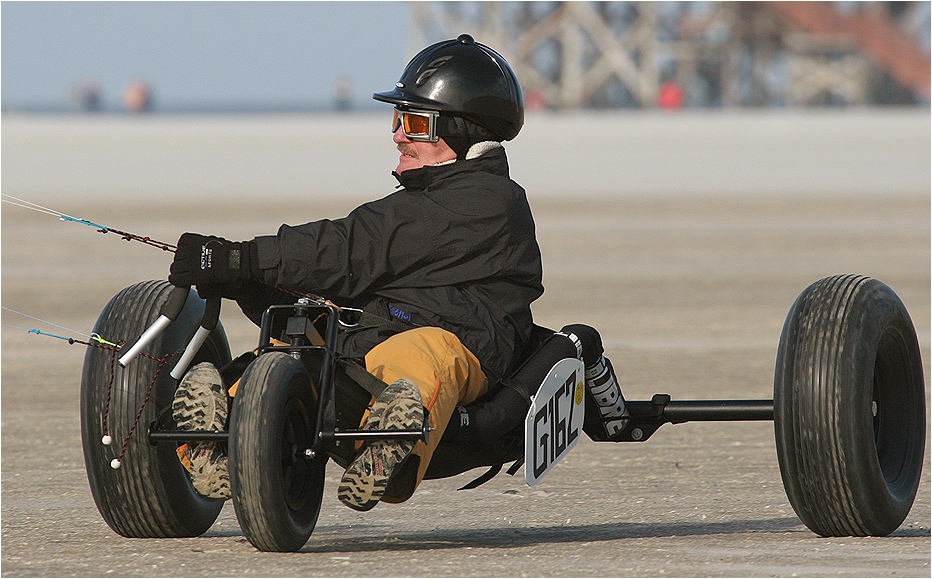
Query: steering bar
(170, 311)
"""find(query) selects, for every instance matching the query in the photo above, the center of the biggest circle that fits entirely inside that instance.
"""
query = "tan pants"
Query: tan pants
(445, 371)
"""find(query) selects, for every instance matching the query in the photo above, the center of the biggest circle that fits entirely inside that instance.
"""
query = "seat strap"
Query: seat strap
(513, 469)
(491, 473)
(486, 477)
(358, 374)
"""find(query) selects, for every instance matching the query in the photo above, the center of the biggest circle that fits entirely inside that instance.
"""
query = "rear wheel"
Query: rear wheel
(150, 494)
(849, 407)
(277, 488)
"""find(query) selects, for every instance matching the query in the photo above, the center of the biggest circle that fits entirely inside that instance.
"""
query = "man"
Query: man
(451, 260)
(449, 263)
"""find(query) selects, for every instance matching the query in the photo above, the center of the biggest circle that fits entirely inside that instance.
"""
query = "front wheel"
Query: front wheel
(849, 408)
(277, 488)
(150, 494)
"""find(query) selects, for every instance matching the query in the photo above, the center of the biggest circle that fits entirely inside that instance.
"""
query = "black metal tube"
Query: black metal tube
(715, 410)
(376, 435)
(662, 409)
(330, 339)
(187, 436)
(265, 330)
(326, 409)
(196, 436)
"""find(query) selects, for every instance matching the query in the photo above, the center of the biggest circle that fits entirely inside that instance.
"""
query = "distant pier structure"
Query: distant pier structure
(571, 55)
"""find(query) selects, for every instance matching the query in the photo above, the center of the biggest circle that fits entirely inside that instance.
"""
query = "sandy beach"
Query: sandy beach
(686, 256)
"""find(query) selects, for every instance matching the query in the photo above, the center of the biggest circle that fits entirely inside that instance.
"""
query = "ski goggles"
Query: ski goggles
(417, 125)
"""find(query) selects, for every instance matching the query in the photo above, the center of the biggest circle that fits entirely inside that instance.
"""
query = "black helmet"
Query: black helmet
(462, 78)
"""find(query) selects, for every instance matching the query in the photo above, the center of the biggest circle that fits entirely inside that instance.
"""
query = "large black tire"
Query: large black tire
(849, 408)
(150, 495)
(277, 489)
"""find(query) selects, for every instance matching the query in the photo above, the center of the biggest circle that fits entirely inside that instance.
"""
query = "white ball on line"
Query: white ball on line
(115, 463)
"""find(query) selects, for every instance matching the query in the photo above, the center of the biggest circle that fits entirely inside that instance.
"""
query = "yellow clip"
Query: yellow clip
(96, 336)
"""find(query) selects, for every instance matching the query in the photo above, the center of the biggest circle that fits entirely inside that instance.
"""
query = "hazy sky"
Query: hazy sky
(202, 53)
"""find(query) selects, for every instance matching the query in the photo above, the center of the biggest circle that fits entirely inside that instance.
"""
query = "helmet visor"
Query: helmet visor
(417, 125)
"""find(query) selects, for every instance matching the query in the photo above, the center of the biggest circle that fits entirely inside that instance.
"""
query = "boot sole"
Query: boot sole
(399, 407)
(201, 404)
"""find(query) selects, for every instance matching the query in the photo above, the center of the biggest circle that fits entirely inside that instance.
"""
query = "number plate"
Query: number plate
(555, 419)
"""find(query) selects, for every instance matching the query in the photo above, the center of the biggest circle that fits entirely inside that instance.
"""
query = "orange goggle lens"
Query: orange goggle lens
(417, 125)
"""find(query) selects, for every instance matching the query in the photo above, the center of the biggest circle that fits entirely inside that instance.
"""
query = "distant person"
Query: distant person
(87, 95)
(670, 96)
(535, 100)
(137, 96)
(449, 266)
(343, 91)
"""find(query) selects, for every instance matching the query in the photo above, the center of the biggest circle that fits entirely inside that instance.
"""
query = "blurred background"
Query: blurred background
(314, 56)
(623, 98)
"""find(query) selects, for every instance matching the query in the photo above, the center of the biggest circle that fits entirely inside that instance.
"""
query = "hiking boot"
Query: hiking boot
(201, 404)
(398, 407)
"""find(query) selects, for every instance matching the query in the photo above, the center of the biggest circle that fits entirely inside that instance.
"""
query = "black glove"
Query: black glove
(213, 264)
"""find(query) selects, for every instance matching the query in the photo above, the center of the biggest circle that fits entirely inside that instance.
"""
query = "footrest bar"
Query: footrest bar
(375, 435)
(187, 436)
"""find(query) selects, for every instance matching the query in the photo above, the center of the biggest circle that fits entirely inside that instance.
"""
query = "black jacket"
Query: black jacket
(454, 248)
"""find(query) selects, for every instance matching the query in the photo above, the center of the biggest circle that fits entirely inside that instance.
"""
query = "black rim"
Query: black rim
(295, 465)
(892, 406)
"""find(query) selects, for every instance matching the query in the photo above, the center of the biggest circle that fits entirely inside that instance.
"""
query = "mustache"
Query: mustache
(407, 149)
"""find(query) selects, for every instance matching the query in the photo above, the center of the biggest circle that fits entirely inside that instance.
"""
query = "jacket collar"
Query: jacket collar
(423, 178)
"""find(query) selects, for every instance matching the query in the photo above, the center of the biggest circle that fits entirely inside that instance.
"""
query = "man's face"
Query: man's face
(417, 154)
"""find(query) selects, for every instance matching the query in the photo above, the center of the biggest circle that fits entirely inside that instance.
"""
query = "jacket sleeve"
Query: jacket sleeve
(404, 240)
(254, 298)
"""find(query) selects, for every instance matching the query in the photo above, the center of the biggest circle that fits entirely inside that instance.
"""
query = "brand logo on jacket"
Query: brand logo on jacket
(206, 257)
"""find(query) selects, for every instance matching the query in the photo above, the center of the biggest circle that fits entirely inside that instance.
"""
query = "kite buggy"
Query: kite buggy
(848, 409)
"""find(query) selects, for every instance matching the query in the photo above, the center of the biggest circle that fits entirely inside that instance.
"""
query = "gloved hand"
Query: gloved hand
(213, 264)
